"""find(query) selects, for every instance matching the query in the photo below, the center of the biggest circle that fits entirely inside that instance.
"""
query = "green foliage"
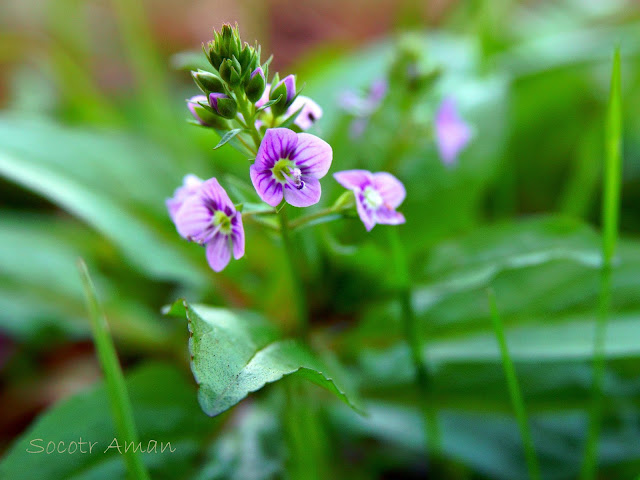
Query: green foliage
(532, 79)
(237, 353)
(164, 408)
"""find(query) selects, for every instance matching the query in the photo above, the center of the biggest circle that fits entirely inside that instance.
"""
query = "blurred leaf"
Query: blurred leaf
(40, 292)
(114, 183)
(165, 412)
(253, 449)
(237, 353)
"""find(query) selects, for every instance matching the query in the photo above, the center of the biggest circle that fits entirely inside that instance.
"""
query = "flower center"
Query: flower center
(372, 198)
(222, 222)
(281, 169)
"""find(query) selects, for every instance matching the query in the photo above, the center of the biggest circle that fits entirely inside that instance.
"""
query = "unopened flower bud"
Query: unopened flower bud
(203, 116)
(286, 90)
(256, 85)
(225, 107)
(207, 82)
(230, 71)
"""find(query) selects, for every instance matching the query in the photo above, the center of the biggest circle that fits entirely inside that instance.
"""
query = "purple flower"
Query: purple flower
(193, 104)
(190, 185)
(208, 217)
(377, 196)
(310, 112)
(290, 164)
(363, 108)
(452, 133)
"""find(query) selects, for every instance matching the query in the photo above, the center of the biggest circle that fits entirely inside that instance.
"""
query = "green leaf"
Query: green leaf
(236, 353)
(125, 201)
(41, 293)
(268, 104)
(257, 425)
(121, 410)
(164, 410)
(227, 137)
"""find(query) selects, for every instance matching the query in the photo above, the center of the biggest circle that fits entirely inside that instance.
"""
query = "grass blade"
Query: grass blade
(514, 391)
(610, 208)
(118, 398)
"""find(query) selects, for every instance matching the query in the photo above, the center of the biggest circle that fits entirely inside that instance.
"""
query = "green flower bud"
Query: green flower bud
(256, 85)
(208, 82)
(225, 106)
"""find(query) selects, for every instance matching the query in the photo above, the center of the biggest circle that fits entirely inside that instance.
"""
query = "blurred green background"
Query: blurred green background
(93, 138)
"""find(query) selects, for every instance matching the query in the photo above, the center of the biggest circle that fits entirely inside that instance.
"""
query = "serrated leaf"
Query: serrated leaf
(227, 137)
(236, 353)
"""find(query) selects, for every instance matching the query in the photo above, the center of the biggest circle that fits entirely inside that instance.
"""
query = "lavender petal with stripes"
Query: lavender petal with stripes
(377, 196)
(203, 213)
(289, 165)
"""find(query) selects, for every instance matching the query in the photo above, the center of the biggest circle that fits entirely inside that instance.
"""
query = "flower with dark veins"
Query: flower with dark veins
(289, 165)
(208, 217)
(377, 196)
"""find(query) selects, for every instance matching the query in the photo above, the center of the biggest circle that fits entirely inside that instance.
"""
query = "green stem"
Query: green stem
(514, 391)
(325, 212)
(245, 108)
(610, 208)
(116, 388)
(291, 253)
(413, 337)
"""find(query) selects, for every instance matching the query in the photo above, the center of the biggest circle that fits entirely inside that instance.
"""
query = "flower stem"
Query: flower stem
(412, 335)
(245, 108)
(326, 214)
(514, 391)
(291, 253)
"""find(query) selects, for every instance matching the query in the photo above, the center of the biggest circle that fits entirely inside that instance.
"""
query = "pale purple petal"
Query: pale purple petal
(354, 179)
(452, 133)
(237, 236)
(377, 92)
(268, 188)
(290, 84)
(312, 155)
(277, 143)
(365, 214)
(265, 96)
(358, 127)
(194, 102)
(215, 196)
(311, 112)
(306, 196)
(218, 252)
(388, 216)
(390, 188)
(193, 220)
(190, 185)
